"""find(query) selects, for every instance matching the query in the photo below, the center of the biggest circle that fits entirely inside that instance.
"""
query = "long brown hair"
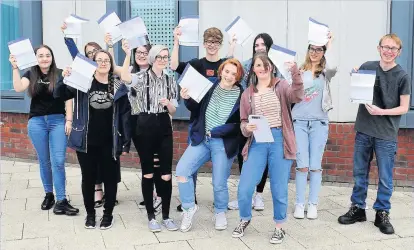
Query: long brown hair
(267, 64)
(111, 78)
(307, 65)
(35, 73)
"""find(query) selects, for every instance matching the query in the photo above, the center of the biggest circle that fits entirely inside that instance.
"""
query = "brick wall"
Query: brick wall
(337, 161)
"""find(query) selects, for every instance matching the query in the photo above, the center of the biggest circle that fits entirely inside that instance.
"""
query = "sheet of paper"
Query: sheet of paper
(263, 132)
(318, 33)
(133, 30)
(82, 73)
(197, 85)
(108, 24)
(189, 31)
(239, 28)
(74, 25)
(135, 42)
(22, 49)
(362, 86)
(279, 57)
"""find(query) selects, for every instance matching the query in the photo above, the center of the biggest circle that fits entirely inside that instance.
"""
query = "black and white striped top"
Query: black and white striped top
(159, 87)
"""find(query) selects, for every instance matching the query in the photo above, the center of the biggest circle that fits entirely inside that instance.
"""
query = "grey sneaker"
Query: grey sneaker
(221, 221)
(239, 230)
(277, 236)
(233, 205)
(154, 226)
(187, 221)
(170, 225)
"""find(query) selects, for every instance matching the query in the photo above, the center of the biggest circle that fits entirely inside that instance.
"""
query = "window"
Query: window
(17, 19)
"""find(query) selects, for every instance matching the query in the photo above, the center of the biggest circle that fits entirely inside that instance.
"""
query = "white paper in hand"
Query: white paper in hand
(74, 26)
(362, 86)
(263, 132)
(81, 76)
(318, 33)
(189, 31)
(134, 31)
(239, 28)
(197, 84)
(279, 57)
(23, 52)
(108, 24)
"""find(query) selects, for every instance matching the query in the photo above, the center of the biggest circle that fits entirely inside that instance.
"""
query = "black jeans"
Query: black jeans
(99, 158)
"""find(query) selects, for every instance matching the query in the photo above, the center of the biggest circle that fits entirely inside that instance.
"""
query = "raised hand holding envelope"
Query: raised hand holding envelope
(74, 26)
(134, 31)
(279, 57)
(189, 31)
(108, 23)
(318, 33)
(239, 28)
(23, 53)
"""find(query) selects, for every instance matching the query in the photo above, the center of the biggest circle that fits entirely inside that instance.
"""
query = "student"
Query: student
(207, 66)
(151, 97)
(99, 134)
(377, 132)
(262, 43)
(48, 125)
(214, 136)
(311, 124)
(272, 98)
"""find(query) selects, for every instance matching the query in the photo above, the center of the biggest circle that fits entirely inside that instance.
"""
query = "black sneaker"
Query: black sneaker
(382, 221)
(239, 230)
(90, 221)
(353, 215)
(48, 202)
(63, 207)
(277, 236)
(106, 222)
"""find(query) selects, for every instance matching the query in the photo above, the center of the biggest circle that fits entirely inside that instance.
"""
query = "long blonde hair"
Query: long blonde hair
(307, 65)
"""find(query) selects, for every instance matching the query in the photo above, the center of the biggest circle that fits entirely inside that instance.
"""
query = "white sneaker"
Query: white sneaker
(312, 212)
(258, 203)
(233, 205)
(299, 211)
(221, 221)
(187, 221)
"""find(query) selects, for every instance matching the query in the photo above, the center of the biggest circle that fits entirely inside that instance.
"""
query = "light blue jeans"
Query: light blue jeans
(196, 156)
(47, 134)
(311, 138)
(261, 154)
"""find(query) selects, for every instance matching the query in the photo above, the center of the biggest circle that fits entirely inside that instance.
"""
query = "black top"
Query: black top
(43, 102)
(100, 114)
(389, 86)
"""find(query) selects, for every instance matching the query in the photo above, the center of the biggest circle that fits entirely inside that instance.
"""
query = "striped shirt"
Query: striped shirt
(158, 88)
(268, 105)
(220, 106)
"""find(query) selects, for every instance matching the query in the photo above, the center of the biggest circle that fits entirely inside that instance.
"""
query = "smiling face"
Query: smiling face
(161, 60)
(259, 45)
(261, 69)
(316, 53)
(44, 58)
(104, 63)
(229, 74)
(389, 50)
(212, 46)
(141, 57)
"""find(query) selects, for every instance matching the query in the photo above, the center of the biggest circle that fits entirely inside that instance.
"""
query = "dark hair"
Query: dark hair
(267, 63)
(267, 39)
(35, 73)
(111, 77)
(135, 66)
(93, 44)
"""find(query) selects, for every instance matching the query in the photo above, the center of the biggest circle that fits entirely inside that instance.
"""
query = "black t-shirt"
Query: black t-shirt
(389, 86)
(43, 102)
(100, 114)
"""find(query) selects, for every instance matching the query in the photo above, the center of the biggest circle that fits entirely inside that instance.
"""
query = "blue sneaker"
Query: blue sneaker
(170, 225)
(154, 226)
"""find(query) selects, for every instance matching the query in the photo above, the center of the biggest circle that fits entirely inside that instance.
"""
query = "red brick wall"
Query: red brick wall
(337, 162)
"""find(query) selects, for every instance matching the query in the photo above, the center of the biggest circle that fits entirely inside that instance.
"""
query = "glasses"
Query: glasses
(392, 49)
(99, 61)
(315, 50)
(211, 43)
(160, 58)
(89, 53)
(140, 53)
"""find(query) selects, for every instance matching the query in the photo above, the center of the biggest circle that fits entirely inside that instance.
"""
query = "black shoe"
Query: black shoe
(239, 230)
(382, 221)
(106, 222)
(48, 202)
(63, 207)
(353, 215)
(179, 208)
(141, 204)
(90, 221)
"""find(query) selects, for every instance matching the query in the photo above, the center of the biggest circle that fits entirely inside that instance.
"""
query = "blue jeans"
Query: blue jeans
(261, 154)
(47, 134)
(196, 156)
(311, 138)
(385, 152)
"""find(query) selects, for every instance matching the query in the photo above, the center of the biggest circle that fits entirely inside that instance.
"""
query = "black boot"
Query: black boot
(353, 215)
(382, 221)
(48, 202)
(63, 207)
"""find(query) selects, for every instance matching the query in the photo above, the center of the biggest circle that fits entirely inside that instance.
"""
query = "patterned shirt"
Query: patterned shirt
(220, 106)
(268, 105)
(159, 88)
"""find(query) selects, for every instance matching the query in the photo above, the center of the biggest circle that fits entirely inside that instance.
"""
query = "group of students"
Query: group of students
(136, 103)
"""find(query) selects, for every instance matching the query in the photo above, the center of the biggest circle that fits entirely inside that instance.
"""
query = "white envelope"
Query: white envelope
(133, 30)
(317, 33)
(362, 86)
(263, 132)
(108, 24)
(279, 57)
(74, 26)
(197, 84)
(239, 28)
(82, 73)
(189, 31)
(23, 51)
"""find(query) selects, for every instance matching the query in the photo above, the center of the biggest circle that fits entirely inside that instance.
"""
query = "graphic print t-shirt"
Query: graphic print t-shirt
(100, 114)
